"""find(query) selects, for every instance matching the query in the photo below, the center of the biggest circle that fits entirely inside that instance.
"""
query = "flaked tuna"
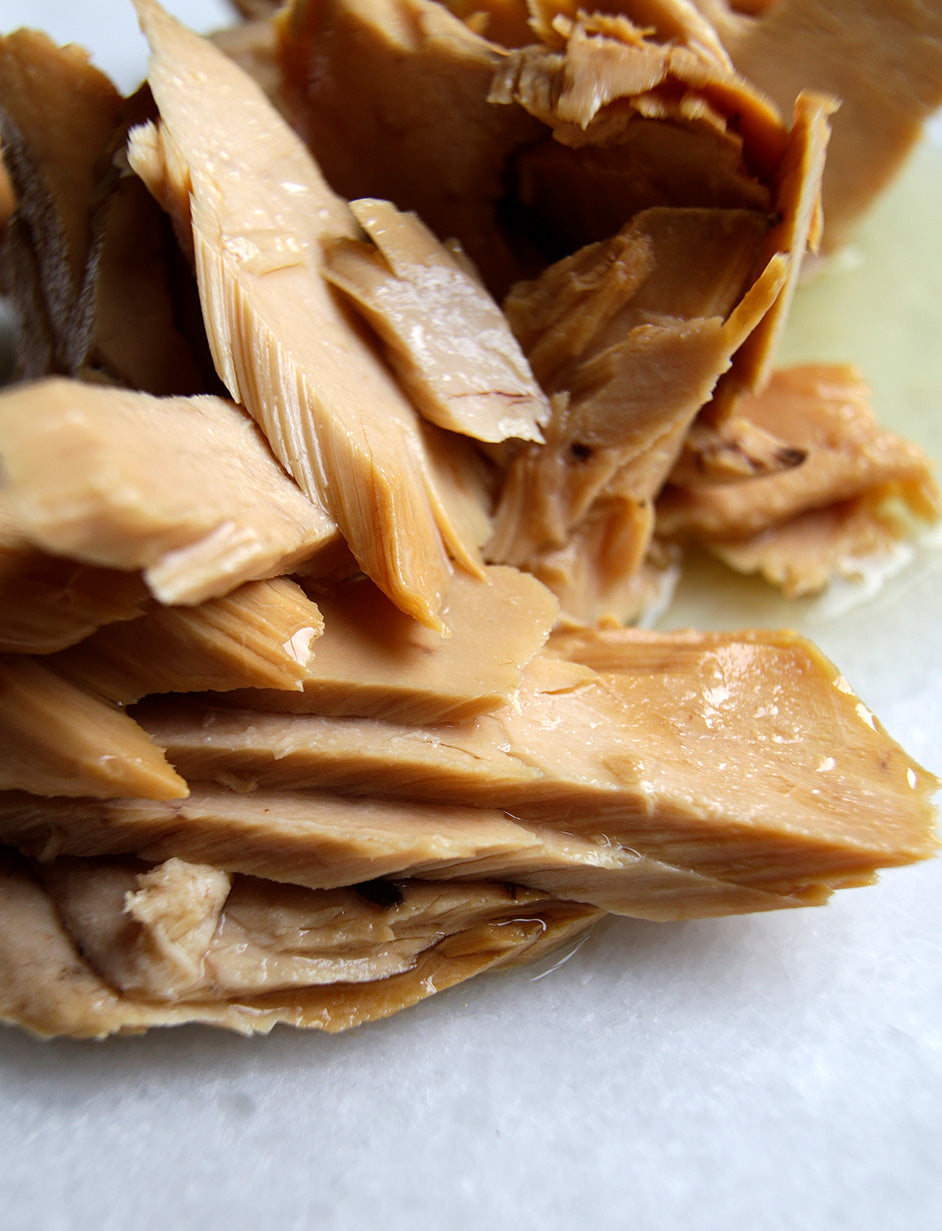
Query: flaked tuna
(373, 660)
(260, 212)
(445, 336)
(57, 738)
(185, 489)
(261, 635)
(805, 523)
(486, 927)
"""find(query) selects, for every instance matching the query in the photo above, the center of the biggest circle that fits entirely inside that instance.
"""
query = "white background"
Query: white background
(766, 1073)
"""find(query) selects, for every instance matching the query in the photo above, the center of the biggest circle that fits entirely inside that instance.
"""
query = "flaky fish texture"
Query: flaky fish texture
(184, 489)
(260, 212)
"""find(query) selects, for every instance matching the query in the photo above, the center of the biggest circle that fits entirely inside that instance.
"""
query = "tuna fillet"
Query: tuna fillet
(184, 489)
(260, 213)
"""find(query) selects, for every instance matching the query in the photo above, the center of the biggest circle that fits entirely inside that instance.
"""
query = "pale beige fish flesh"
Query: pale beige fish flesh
(260, 213)
(58, 739)
(446, 338)
(375, 661)
(50, 988)
(261, 635)
(183, 488)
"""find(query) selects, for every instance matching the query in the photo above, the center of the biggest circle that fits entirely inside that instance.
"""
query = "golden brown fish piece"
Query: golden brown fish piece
(811, 792)
(445, 337)
(261, 635)
(58, 739)
(185, 489)
(762, 726)
(49, 987)
(631, 344)
(840, 495)
(323, 840)
(260, 213)
(372, 660)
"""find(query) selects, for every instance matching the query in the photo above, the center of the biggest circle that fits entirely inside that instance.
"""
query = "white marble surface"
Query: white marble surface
(770, 1073)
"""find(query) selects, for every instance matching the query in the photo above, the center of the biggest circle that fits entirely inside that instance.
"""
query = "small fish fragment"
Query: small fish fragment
(260, 213)
(841, 494)
(261, 635)
(58, 739)
(183, 488)
(374, 661)
(447, 340)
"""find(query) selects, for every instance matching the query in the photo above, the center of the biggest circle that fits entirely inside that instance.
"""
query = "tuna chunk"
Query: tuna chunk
(445, 336)
(823, 513)
(184, 489)
(260, 213)
(181, 931)
(881, 58)
(373, 660)
(51, 988)
(764, 727)
(632, 347)
(616, 753)
(58, 739)
(324, 841)
(48, 602)
(259, 636)
(424, 135)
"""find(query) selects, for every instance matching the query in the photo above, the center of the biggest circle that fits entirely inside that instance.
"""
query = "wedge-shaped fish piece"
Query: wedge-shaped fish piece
(373, 660)
(57, 739)
(49, 602)
(824, 410)
(260, 212)
(183, 488)
(631, 335)
(446, 338)
(49, 987)
(763, 727)
(259, 636)
(324, 841)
